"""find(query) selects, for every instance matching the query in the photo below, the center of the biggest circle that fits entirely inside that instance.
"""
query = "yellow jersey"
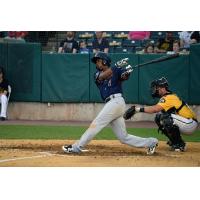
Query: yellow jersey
(172, 103)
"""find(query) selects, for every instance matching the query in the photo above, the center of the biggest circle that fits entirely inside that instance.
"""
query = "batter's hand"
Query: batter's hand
(129, 113)
(121, 63)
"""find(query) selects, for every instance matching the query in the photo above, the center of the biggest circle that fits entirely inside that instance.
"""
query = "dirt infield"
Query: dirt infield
(101, 153)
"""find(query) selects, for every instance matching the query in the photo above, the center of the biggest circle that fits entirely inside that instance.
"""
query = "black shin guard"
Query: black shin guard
(171, 131)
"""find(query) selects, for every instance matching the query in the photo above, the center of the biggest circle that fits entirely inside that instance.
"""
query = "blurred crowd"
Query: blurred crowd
(139, 42)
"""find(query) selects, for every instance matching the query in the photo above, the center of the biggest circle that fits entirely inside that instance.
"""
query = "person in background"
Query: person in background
(82, 47)
(188, 37)
(69, 45)
(149, 48)
(21, 35)
(99, 43)
(165, 44)
(176, 46)
(3, 95)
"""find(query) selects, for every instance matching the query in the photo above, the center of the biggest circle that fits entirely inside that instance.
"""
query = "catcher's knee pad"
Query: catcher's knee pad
(165, 121)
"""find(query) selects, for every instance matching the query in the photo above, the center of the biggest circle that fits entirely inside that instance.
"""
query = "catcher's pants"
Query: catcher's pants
(187, 126)
(112, 113)
(4, 105)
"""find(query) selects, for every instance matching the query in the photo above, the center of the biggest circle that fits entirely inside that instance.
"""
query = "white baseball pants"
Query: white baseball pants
(186, 126)
(112, 113)
(4, 105)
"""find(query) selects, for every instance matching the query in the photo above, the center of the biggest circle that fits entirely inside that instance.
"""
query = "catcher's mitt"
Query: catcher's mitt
(129, 113)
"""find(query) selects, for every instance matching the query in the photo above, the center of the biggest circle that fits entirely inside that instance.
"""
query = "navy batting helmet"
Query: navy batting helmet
(161, 82)
(101, 55)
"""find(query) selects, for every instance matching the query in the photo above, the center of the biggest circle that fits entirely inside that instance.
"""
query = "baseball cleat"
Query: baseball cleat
(151, 150)
(178, 147)
(2, 118)
(68, 149)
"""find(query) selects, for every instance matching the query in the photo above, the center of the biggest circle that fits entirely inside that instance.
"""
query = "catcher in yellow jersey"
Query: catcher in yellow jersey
(173, 116)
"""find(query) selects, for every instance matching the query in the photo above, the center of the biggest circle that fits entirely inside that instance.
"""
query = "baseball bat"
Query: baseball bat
(129, 68)
(157, 60)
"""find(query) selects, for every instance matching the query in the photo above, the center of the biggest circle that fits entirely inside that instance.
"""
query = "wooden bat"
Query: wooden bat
(130, 68)
(157, 60)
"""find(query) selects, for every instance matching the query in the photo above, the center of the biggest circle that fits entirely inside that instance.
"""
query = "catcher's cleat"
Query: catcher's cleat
(178, 147)
(151, 150)
(68, 149)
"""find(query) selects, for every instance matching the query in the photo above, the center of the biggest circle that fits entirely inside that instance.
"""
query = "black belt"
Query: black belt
(195, 120)
(111, 97)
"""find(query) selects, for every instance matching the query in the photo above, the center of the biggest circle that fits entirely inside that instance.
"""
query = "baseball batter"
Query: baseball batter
(173, 116)
(109, 82)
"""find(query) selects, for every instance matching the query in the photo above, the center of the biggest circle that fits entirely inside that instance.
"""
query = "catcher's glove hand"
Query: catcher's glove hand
(129, 113)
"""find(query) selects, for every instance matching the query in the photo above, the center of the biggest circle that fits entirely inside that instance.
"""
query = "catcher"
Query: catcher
(173, 116)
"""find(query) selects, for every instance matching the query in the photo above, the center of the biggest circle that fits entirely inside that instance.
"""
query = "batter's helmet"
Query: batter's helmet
(101, 55)
(161, 82)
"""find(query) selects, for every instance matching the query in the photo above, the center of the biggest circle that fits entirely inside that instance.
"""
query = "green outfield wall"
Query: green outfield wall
(44, 77)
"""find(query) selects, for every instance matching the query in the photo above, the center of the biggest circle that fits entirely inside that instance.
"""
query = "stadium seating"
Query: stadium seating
(118, 40)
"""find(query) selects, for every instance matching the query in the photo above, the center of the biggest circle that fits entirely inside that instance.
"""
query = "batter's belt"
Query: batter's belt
(112, 96)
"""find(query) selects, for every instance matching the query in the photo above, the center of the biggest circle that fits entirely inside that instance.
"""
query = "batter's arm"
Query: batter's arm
(105, 74)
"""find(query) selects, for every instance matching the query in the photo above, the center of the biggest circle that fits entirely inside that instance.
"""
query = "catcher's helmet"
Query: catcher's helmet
(101, 55)
(161, 82)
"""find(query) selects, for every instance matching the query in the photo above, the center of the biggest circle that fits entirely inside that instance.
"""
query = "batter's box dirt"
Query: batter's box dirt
(100, 153)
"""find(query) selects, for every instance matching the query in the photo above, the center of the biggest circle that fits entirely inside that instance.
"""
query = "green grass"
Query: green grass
(74, 132)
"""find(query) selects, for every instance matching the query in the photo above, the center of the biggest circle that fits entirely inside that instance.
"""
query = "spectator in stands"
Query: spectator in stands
(177, 49)
(176, 46)
(138, 35)
(99, 43)
(20, 35)
(188, 37)
(69, 45)
(82, 47)
(149, 48)
(16, 36)
(165, 44)
(195, 37)
(3, 94)
(10, 35)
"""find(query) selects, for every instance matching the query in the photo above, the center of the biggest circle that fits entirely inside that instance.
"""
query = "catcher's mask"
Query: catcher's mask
(103, 56)
(161, 82)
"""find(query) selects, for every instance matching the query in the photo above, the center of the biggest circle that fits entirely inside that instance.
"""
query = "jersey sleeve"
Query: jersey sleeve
(120, 71)
(164, 103)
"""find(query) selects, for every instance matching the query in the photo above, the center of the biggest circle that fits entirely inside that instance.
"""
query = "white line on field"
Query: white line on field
(44, 154)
